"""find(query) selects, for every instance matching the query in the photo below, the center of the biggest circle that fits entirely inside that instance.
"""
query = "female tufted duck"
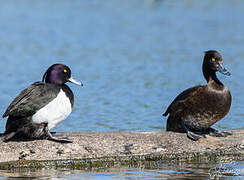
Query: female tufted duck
(196, 109)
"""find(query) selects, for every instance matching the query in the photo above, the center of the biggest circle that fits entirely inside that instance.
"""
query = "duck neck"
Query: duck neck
(210, 76)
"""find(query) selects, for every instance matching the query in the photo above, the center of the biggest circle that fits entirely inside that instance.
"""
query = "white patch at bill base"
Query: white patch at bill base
(54, 112)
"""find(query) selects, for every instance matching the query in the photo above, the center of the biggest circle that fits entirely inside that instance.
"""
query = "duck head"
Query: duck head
(59, 74)
(212, 63)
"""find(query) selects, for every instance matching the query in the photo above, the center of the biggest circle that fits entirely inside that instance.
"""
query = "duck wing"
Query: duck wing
(184, 100)
(31, 99)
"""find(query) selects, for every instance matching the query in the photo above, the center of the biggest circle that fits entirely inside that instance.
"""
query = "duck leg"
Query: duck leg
(55, 137)
(193, 135)
(59, 138)
(216, 133)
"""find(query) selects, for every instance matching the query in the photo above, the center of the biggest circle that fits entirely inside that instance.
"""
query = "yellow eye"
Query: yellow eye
(65, 70)
(213, 59)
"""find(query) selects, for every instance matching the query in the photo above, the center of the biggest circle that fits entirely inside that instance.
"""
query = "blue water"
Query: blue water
(133, 56)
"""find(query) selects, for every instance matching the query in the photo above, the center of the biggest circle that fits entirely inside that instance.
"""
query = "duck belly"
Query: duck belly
(209, 110)
(54, 112)
(201, 121)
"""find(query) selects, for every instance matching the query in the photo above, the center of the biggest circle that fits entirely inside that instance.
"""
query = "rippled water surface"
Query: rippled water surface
(133, 56)
(203, 171)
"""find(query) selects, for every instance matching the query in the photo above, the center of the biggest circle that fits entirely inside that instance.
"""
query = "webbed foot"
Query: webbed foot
(58, 138)
(216, 133)
(193, 135)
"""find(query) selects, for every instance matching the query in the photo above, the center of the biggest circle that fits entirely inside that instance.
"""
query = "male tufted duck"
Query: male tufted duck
(41, 106)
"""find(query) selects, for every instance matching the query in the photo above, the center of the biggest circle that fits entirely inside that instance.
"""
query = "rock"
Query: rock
(97, 149)
(23, 154)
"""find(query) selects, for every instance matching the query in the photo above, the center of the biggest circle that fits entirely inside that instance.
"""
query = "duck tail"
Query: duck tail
(7, 136)
(165, 114)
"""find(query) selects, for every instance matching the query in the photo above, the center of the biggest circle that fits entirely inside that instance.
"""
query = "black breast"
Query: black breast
(68, 93)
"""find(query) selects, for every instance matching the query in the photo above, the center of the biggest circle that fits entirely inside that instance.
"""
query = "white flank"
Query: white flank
(54, 112)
